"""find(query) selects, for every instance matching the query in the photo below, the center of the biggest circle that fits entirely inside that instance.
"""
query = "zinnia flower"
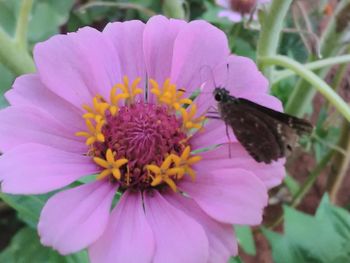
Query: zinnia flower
(117, 104)
(235, 10)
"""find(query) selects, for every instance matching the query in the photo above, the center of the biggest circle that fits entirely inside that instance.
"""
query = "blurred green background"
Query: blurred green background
(313, 30)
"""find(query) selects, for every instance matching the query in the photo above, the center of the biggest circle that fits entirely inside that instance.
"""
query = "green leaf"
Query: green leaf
(322, 238)
(338, 217)
(292, 185)
(8, 15)
(25, 247)
(283, 250)
(314, 235)
(28, 207)
(47, 17)
(235, 260)
(245, 239)
(6, 79)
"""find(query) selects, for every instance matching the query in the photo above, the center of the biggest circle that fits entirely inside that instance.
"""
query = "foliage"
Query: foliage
(323, 238)
(25, 245)
(320, 238)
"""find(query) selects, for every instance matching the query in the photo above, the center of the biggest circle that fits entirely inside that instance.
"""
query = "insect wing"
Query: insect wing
(253, 130)
(265, 133)
(301, 126)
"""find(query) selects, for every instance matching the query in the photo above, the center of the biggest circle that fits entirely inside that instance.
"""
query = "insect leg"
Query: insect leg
(229, 141)
(212, 108)
(212, 117)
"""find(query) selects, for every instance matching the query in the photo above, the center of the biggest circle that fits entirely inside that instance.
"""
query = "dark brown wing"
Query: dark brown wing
(266, 134)
(301, 126)
(253, 132)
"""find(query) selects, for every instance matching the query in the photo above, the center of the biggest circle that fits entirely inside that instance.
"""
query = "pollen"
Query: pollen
(111, 165)
(169, 95)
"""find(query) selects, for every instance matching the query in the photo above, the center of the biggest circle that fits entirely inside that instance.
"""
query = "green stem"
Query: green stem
(271, 28)
(22, 24)
(298, 197)
(311, 179)
(311, 78)
(330, 43)
(282, 74)
(144, 10)
(13, 57)
(174, 8)
(340, 163)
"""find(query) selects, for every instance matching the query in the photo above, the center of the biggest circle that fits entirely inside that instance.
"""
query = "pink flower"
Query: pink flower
(235, 10)
(111, 103)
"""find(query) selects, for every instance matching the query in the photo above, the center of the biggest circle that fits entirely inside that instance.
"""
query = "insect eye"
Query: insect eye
(218, 97)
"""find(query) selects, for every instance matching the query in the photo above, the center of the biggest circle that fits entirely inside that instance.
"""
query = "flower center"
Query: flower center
(142, 145)
(243, 6)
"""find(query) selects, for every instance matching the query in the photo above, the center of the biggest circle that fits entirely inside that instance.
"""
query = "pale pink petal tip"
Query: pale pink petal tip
(73, 219)
(128, 236)
(233, 196)
(36, 169)
(178, 237)
(222, 241)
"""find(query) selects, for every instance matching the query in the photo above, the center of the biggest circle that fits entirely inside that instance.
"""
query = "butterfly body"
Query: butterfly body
(266, 134)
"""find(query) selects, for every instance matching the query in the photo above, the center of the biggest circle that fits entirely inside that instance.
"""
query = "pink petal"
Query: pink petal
(78, 66)
(233, 196)
(179, 238)
(158, 44)
(36, 169)
(240, 75)
(29, 91)
(214, 133)
(127, 40)
(26, 124)
(128, 237)
(222, 241)
(231, 15)
(199, 45)
(73, 219)
(223, 3)
(270, 174)
(265, 100)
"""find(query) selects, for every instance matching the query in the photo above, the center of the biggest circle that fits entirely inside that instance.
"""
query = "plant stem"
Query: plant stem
(302, 96)
(174, 8)
(13, 57)
(311, 179)
(271, 28)
(140, 8)
(282, 74)
(13, 52)
(340, 164)
(22, 24)
(313, 79)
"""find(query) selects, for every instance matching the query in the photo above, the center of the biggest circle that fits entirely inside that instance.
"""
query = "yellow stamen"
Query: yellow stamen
(94, 133)
(128, 92)
(188, 118)
(185, 161)
(111, 165)
(97, 111)
(173, 168)
(168, 94)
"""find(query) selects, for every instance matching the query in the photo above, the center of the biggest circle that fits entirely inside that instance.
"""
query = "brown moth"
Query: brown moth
(266, 134)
